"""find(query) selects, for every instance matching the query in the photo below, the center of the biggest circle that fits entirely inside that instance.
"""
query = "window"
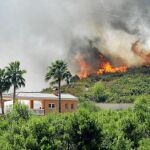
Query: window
(51, 106)
(66, 106)
(72, 106)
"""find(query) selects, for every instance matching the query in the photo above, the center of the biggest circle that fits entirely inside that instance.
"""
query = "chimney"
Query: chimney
(55, 91)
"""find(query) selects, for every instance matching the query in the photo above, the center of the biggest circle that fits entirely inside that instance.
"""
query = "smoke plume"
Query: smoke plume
(37, 32)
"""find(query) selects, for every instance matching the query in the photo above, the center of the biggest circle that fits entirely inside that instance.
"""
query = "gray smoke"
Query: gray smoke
(37, 32)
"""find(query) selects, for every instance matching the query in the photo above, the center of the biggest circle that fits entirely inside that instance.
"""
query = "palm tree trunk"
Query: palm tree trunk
(14, 95)
(2, 103)
(59, 94)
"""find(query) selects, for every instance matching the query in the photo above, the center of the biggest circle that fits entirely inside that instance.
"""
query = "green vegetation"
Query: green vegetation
(12, 75)
(86, 129)
(4, 86)
(57, 72)
(89, 128)
(15, 76)
(116, 87)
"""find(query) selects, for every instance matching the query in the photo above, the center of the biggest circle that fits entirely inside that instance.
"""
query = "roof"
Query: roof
(39, 96)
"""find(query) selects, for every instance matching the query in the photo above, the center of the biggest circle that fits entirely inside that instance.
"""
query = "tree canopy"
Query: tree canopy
(15, 76)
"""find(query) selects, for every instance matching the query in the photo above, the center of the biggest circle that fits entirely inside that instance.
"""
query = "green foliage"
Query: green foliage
(76, 88)
(87, 128)
(44, 133)
(90, 106)
(98, 93)
(68, 77)
(119, 87)
(57, 72)
(15, 77)
(144, 144)
(15, 74)
(4, 82)
(74, 79)
(122, 144)
(4, 86)
(19, 111)
(130, 129)
(85, 131)
(141, 109)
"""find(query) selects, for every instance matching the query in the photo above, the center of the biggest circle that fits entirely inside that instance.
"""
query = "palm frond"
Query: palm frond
(15, 74)
(57, 71)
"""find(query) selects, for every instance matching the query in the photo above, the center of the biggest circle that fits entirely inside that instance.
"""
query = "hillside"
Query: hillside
(120, 87)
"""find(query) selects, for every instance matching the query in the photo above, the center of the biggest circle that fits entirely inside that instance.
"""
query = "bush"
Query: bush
(85, 131)
(19, 111)
(97, 93)
(90, 106)
(122, 144)
(144, 144)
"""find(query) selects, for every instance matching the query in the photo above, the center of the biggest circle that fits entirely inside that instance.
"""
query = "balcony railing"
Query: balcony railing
(39, 112)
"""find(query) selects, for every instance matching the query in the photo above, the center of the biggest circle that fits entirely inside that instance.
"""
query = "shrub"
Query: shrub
(144, 144)
(90, 106)
(19, 111)
(97, 93)
(85, 131)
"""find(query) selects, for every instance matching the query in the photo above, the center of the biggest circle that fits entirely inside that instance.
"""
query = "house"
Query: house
(49, 102)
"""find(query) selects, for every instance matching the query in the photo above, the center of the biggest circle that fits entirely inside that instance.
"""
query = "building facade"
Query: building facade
(49, 102)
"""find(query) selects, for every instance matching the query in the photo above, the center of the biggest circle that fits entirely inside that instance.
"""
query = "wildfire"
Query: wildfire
(85, 68)
(105, 67)
(108, 68)
(140, 52)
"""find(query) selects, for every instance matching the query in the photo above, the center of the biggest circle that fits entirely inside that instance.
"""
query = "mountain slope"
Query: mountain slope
(121, 87)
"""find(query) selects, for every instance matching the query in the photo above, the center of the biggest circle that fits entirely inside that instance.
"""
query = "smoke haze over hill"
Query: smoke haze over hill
(36, 32)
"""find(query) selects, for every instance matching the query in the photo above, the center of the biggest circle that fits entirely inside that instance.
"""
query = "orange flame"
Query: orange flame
(85, 68)
(105, 67)
(140, 52)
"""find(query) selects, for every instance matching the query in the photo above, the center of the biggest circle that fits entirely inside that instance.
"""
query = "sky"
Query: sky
(37, 32)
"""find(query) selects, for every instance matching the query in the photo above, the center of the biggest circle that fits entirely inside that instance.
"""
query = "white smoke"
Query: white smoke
(37, 32)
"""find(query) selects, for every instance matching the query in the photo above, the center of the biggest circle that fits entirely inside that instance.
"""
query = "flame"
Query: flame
(85, 68)
(108, 68)
(105, 67)
(140, 52)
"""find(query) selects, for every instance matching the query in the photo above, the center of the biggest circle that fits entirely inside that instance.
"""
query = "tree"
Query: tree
(15, 76)
(99, 93)
(68, 77)
(74, 79)
(144, 144)
(57, 72)
(4, 86)
(85, 131)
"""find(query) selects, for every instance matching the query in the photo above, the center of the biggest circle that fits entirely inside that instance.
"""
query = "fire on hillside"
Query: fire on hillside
(105, 65)
(136, 48)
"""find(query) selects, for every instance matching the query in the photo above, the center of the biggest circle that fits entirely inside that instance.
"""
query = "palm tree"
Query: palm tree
(68, 77)
(15, 76)
(56, 73)
(4, 86)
